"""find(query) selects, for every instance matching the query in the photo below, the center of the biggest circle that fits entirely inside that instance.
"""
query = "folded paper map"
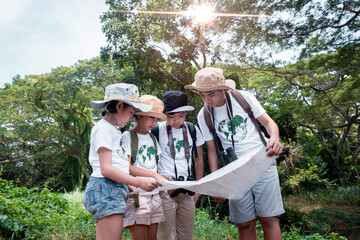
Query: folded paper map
(231, 181)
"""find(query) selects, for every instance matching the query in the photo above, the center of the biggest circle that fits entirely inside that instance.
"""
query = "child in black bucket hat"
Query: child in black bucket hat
(178, 140)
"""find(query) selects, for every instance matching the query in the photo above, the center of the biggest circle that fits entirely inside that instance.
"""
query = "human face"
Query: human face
(213, 98)
(124, 115)
(176, 120)
(146, 123)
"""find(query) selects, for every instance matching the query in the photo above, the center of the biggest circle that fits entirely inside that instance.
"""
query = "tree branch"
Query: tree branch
(321, 139)
(356, 14)
(320, 86)
(15, 159)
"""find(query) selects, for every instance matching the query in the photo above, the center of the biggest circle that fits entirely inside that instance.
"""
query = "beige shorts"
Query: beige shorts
(150, 211)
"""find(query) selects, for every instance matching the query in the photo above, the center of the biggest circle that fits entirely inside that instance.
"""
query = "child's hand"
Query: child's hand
(132, 189)
(160, 177)
(196, 197)
(148, 185)
(273, 147)
(219, 199)
(170, 191)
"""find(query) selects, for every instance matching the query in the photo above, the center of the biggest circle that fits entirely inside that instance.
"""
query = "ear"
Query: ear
(119, 105)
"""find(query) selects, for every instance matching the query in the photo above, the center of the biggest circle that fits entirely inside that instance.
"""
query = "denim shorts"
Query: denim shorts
(104, 197)
(262, 200)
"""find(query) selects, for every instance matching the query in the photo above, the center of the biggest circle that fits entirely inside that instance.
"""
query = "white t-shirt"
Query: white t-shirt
(166, 161)
(246, 137)
(145, 157)
(104, 134)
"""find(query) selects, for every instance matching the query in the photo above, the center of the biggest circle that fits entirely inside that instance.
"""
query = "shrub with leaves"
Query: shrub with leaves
(25, 213)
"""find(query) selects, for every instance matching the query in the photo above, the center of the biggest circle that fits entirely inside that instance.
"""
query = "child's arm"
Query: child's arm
(135, 171)
(212, 158)
(273, 130)
(199, 168)
(109, 171)
(199, 163)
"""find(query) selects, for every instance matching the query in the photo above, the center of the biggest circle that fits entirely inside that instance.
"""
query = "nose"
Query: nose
(205, 99)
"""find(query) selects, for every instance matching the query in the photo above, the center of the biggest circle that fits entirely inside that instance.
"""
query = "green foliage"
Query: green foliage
(305, 180)
(34, 214)
(207, 227)
(323, 210)
(46, 121)
(293, 234)
(25, 213)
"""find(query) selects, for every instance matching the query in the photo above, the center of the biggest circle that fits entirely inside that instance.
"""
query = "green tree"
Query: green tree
(332, 115)
(46, 122)
(319, 90)
(168, 45)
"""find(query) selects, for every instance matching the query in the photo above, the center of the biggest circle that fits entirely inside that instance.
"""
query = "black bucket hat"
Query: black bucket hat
(175, 101)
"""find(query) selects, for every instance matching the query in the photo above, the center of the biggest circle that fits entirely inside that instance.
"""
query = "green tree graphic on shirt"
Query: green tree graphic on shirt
(239, 125)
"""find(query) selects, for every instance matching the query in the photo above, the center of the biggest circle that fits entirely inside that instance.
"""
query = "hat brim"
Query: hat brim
(230, 84)
(182, 109)
(100, 105)
(153, 114)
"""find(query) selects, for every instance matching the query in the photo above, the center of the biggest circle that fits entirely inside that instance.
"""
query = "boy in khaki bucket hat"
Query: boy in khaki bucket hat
(236, 130)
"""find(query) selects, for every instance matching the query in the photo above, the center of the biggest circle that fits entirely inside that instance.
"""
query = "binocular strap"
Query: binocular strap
(172, 148)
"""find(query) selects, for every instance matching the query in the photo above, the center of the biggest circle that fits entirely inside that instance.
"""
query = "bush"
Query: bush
(309, 179)
(300, 172)
(25, 213)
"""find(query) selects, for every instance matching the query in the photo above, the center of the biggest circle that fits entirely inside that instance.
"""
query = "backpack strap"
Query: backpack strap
(209, 116)
(209, 123)
(245, 105)
(192, 131)
(134, 145)
(155, 145)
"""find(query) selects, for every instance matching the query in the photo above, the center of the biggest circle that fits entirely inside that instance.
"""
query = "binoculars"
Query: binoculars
(181, 190)
(227, 157)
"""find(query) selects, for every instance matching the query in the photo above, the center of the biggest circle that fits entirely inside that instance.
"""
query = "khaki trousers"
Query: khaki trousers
(179, 217)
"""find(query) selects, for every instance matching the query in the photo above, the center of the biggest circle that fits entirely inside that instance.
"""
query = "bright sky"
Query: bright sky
(38, 35)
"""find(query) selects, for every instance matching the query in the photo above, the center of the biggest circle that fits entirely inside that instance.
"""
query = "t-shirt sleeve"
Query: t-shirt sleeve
(158, 148)
(207, 136)
(103, 137)
(126, 138)
(255, 105)
(199, 137)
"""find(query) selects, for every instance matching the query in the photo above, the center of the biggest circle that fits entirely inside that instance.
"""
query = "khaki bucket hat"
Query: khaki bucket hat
(157, 107)
(210, 79)
(123, 92)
